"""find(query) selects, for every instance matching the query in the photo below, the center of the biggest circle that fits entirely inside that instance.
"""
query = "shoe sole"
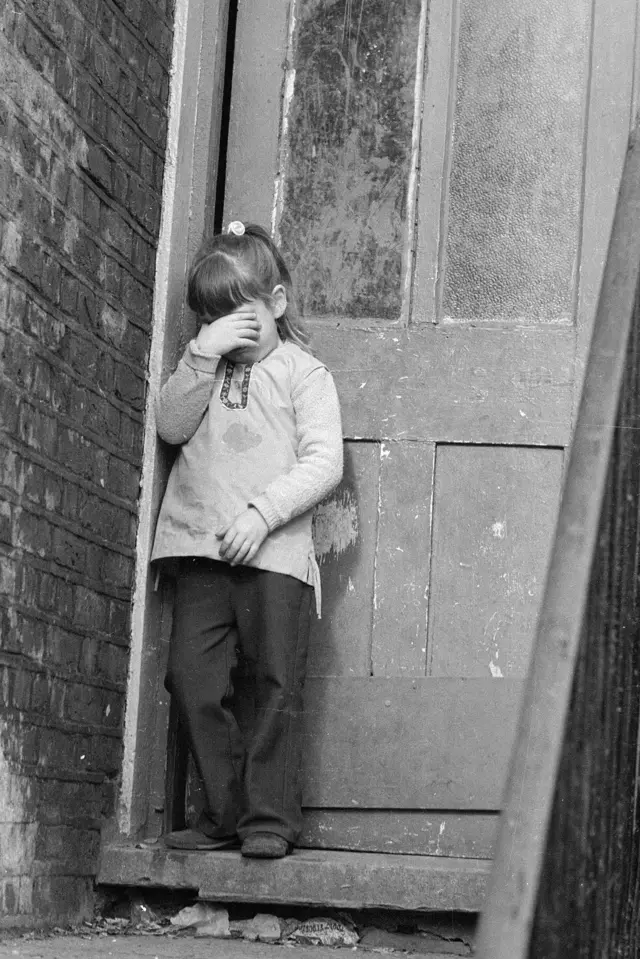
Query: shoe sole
(205, 847)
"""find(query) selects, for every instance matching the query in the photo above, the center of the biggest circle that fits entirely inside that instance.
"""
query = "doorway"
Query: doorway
(413, 198)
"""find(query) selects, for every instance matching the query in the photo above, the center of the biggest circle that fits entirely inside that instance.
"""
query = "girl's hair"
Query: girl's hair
(229, 270)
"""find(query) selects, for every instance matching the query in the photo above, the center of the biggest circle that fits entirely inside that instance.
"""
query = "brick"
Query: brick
(91, 209)
(87, 312)
(119, 619)
(143, 257)
(117, 570)
(48, 330)
(124, 140)
(83, 456)
(104, 519)
(64, 78)
(33, 533)
(120, 188)
(20, 688)
(138, 298)
(40, 53)
(86, 254)
(99, 165)
(129, 386)
(6, 523)
(112, 662)
(127, 94)
(118, 233)
(123, 479)
(99, 114)
(91, 609)
(37, 430)
(9, 410)
(68, 550)
(111, 276)
(34, 637)
(151, 120)
(81, 354)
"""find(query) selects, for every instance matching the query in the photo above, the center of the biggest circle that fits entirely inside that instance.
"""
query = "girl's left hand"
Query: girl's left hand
(243, 538)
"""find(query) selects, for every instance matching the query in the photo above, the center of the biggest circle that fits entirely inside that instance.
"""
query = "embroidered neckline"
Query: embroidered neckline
(244, 386)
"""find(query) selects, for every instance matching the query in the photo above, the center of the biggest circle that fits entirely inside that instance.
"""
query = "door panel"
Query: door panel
(467, 835)
(403, 552)
(494, 514)
(397, 743)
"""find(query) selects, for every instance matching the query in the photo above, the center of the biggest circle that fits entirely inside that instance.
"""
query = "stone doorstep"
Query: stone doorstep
(309, 877)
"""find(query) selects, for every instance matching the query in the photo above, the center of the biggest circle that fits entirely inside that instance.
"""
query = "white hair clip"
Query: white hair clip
(236, 227)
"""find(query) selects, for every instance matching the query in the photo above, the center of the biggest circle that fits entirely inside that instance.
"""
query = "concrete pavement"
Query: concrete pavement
(178, 947)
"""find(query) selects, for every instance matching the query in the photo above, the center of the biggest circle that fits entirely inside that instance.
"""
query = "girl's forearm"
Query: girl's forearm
(184, 398)
(320, 455)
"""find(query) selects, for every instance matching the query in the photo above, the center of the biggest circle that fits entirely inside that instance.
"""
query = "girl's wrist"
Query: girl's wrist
(197, 359)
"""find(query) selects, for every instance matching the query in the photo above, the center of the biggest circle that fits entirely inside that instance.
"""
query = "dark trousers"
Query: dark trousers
(243, 623)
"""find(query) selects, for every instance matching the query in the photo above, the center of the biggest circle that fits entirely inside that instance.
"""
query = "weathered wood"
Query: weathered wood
(308, 877)
(461, 835)
(345, 540)
(495, 510)
(252, 152)
(402, 560)
(350, 125)
(462, 386)
(583, 539)
(408, 743)
(194, 109)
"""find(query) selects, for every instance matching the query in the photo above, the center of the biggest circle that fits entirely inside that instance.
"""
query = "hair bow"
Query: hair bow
(236, 227)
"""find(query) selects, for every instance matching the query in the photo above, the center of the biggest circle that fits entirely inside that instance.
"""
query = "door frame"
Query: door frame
(192, 151)
(190, 172)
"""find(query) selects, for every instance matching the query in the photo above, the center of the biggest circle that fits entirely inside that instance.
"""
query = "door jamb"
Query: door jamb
(191, 161)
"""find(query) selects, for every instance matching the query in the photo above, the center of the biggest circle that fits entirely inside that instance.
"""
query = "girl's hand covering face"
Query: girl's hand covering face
(236, 331)
(242, 539)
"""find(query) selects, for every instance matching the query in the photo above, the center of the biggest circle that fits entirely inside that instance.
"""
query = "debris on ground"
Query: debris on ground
(179, 914)
(324, 932)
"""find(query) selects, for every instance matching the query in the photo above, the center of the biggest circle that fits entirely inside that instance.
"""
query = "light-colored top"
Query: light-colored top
(266, 434)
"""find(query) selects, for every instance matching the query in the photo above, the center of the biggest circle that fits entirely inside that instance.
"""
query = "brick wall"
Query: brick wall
(83, 95)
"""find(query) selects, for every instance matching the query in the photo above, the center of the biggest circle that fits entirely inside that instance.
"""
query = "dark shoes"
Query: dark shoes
(265, 845)
(257, 845)
(194, 839)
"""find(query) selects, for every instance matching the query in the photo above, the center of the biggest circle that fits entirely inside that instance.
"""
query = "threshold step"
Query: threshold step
(309, 877)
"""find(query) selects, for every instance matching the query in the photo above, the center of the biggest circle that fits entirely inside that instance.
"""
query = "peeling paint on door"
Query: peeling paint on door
(348, 154)
(335, 524)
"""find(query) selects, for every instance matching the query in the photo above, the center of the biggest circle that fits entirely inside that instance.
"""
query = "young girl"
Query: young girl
(258, 423)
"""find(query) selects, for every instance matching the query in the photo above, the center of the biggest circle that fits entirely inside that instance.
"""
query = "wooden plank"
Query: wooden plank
(612, 113)
(366, 743)
(402, 560)
(308, 877)
(193, 121)
(345, 527)
(458, 386)
(254, 123)
(462, 835)
(433, 157)
(511, 907)
(495, 512)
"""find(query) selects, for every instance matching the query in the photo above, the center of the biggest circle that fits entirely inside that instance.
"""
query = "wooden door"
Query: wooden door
(423, 166)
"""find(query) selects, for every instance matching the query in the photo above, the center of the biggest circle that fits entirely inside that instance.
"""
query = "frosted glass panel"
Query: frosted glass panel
(514, 188)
